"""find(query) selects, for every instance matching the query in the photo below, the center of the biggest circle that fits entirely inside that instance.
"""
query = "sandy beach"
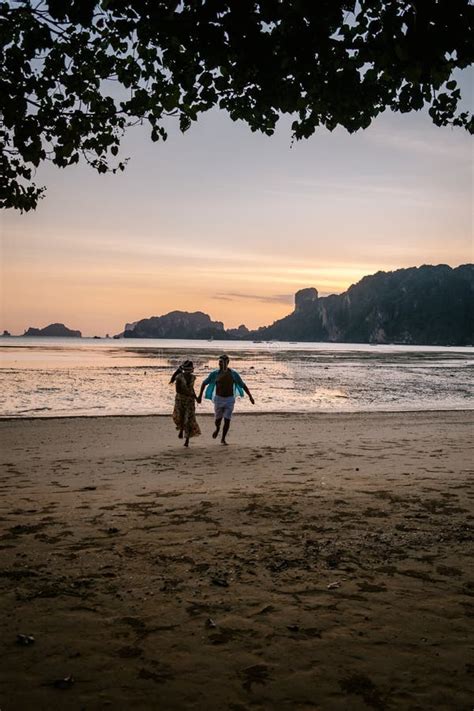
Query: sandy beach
(318, 562)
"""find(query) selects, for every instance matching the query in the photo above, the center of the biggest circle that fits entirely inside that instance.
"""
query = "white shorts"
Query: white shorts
(223, 407)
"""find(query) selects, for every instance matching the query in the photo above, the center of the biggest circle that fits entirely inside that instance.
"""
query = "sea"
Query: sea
(52, 377)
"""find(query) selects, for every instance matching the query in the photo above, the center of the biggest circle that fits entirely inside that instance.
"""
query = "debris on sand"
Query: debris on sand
(333, 560)
(223, 636)
(25, 639)
(361, 685)
(129, 652)
(255, 674)
(278, 566)
(264, 610)
(64, 683)
(160, 676)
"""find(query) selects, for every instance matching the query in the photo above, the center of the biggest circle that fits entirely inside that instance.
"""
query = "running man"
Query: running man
(227, 384)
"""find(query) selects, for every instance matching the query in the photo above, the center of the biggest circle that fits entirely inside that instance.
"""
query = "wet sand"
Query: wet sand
(317, 562)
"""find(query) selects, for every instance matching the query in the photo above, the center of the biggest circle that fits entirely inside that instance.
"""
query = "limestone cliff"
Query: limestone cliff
(428, 305)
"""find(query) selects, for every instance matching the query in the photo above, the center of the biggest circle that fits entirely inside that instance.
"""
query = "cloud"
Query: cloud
(427, 142)
(363, 190)
(272, 299)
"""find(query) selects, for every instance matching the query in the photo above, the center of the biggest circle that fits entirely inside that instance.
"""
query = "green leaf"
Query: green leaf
(184, 123)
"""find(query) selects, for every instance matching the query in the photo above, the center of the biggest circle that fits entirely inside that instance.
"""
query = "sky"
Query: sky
(232, 223)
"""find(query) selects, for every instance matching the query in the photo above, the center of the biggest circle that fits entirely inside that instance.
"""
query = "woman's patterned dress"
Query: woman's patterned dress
(184, 413)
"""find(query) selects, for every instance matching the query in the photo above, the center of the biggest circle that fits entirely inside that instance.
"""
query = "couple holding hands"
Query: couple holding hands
(221, 385)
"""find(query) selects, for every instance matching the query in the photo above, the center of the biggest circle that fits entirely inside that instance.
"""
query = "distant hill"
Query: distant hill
(177, 324)
(54, 330)
(428, 305)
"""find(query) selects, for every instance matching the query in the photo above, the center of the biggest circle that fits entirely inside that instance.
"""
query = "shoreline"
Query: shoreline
(217, 342)
(237, 414)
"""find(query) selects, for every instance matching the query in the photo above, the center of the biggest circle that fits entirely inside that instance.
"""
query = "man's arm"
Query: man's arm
(199, 397)
(203, 385)
(238, 380)
(246, 390)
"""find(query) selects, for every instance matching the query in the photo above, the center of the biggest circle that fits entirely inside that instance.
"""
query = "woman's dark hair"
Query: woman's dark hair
(186, 368)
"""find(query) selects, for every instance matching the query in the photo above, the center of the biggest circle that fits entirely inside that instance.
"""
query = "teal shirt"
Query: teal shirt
(211, 380)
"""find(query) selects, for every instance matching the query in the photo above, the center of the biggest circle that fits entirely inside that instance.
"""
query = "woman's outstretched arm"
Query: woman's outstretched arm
(175, 375)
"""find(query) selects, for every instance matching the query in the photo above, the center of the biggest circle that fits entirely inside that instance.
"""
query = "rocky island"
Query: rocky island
(54, 330)
(177, 324)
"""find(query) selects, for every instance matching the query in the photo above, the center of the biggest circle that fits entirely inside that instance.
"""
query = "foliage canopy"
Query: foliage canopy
(75, 73)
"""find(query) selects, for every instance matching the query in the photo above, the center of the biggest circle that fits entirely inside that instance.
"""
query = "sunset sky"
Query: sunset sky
(233, 223)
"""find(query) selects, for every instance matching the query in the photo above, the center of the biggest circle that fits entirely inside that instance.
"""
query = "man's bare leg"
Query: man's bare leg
(225, 430)
(218, 426)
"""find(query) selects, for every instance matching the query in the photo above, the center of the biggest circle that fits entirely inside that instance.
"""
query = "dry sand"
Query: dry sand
(318, 562)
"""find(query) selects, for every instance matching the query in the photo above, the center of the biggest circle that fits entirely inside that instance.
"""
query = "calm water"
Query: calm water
(50, 377)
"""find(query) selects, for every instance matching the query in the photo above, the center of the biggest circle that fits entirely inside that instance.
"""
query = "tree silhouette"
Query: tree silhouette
(325, 62)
